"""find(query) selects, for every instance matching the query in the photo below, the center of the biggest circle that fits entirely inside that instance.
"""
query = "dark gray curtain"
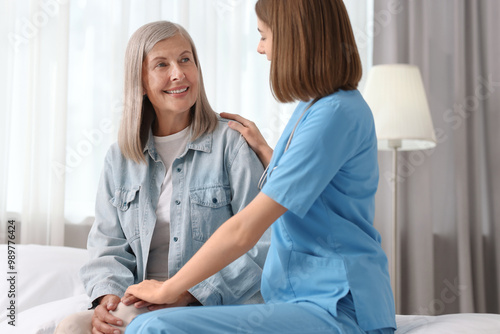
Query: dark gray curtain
(449, 199)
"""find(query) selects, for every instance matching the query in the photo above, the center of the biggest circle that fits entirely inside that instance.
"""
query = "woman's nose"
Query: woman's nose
(177, 73)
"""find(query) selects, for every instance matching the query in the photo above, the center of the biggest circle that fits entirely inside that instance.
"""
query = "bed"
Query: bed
(47, 289)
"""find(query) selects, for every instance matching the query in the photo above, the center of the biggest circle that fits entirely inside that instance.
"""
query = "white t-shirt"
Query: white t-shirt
(169, 148)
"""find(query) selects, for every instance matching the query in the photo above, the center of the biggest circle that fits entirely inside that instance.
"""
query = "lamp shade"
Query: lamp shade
(396, 96)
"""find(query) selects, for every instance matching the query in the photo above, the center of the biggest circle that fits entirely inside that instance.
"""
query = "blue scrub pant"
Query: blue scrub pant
(299, 318)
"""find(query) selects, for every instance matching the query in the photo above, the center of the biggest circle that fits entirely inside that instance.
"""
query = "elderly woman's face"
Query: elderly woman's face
(170, 76)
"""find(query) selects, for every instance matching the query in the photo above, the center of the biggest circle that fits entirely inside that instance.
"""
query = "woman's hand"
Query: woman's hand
(252, 135)
(102, 319)
(151, 291)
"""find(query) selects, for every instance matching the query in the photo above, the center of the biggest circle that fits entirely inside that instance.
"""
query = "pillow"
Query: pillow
(43, 319)
(44, 274)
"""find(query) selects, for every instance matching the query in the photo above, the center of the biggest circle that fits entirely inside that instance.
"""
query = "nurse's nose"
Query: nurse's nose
(260, 48)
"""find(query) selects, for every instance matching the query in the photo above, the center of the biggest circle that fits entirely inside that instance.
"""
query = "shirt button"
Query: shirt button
(179, 169)
(177, 202)
(175, 239)
(214, 200)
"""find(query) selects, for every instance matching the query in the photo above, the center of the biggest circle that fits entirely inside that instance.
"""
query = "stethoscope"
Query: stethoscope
(264, 176)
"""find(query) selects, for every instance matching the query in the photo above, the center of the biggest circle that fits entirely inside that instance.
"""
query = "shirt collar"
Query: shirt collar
(202, 143)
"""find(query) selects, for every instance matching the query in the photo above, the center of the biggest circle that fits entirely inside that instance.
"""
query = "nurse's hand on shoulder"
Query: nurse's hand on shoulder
(252, 135)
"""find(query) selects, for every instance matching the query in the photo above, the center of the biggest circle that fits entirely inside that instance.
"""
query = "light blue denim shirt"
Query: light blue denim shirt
(215, 177)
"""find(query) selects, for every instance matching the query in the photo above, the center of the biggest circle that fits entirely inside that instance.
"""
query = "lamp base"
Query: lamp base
(394, 268)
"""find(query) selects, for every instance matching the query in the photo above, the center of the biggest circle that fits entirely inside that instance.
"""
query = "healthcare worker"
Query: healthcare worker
(325, 271)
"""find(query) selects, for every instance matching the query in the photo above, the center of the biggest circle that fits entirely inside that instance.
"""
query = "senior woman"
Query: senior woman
(177, 173)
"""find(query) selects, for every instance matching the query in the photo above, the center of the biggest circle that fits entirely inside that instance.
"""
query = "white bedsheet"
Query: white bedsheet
(48, 289)
(463, 323)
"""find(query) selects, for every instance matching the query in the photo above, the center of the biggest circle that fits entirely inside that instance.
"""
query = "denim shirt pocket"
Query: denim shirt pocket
(210, 208)
(126, 200)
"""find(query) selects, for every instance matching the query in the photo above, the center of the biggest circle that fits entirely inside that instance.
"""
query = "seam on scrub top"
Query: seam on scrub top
(292, 249)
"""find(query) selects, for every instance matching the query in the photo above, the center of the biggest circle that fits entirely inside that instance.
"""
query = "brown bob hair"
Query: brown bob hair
(314, 53)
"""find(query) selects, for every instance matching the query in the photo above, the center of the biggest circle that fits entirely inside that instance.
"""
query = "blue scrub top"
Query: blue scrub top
(325, 245)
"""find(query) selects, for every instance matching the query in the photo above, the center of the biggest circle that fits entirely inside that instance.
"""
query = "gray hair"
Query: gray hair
(138, 112)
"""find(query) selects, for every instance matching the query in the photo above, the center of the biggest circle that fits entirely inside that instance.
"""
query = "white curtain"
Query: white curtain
(61, 81)
(33, 95)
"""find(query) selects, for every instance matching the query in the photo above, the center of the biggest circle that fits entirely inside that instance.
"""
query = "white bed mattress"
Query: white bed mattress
(462, 323)
(48, 289)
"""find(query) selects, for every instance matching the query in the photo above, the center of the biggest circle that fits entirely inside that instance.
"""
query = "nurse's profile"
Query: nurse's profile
(325, 271)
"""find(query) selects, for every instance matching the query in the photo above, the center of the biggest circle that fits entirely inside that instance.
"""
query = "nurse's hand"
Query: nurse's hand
(252, 135)
(184, 300)
(152, 291)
